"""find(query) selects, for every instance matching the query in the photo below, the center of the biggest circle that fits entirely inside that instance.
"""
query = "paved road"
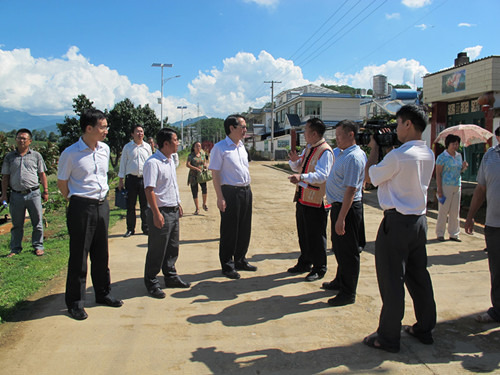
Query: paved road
(268, 322)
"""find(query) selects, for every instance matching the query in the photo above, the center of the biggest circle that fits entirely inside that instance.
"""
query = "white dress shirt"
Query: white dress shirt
(160, 173)
(86, 170)
(403, 177)
(232, 161)
(322, 170)
(133, 158)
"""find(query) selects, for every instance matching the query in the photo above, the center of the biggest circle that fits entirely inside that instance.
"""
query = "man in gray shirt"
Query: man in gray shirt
(488, 187)
(23, 169)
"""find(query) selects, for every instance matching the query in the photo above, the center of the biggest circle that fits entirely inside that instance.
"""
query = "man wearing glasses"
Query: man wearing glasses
(231, 178)
(23, 169)
(83, 179)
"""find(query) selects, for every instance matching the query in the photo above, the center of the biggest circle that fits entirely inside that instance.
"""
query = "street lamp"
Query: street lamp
(182, 108)
(161, 65)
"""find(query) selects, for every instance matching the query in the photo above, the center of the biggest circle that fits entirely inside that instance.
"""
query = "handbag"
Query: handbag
(204, 176)
(121, 198)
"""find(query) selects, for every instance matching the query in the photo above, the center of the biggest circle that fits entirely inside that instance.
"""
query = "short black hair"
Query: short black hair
(348, 126)
(135, 127)
(24, 130)
(415, 114)
(497, 131)
(317, 125)
(90, 117)
(232, 120)
(451, 138)
(164, 135)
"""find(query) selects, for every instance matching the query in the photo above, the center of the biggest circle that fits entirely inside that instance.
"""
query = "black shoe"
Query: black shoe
(110, 301)
(145, 232)
(128, 233)
(425, 339)
(441, 239)
(176, 282)
(342, 300)
(332, 285)
(78, 313)
(314, 275)
(245, 266)
(232, 274)
(299, 269)
(456, 239)
(156, 293)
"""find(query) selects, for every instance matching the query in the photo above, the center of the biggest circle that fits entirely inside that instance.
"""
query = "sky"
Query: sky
(224, 50)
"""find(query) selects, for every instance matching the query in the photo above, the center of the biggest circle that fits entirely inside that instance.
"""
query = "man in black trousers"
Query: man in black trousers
(82, 178)
(231, 179)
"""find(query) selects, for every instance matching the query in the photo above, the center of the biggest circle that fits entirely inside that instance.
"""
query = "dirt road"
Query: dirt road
(268, 322)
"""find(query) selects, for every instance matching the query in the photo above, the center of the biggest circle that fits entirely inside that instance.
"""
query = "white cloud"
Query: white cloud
(473, 52)
(403, 71)
(240, 83)
(267, 3)
(422, 26)
(416, 3)
(48, 86)
(392, 16)
(465, 24)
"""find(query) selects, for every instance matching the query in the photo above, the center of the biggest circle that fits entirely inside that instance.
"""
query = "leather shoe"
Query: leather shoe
(314, 275)
(157, 293)
(456, 239)
(332, 285)
(299, 269)
(176, 282)
(128, 233)
(78, 313)
(232, 274)
(245, 266)
(109, 301)
(342, 300)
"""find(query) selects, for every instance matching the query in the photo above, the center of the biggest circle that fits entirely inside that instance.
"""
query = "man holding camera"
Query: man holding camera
(403, 177)
(344, 192)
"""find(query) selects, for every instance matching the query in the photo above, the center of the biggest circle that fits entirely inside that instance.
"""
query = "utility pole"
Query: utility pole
(198, 117)
(272, 116)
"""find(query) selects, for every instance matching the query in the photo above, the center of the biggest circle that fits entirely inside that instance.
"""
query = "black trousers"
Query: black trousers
(401, 258)
(492, 236)
(163, 247)
(88, 235)
(235, 226)
(346, 247)
(135, 188)
(311, 228)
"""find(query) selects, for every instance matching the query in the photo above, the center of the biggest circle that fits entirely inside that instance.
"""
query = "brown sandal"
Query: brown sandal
(39, 252)
(484, 318)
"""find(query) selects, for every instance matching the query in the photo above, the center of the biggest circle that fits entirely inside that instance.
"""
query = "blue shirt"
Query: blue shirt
(489, 176)
(452, 167)
(347, 171)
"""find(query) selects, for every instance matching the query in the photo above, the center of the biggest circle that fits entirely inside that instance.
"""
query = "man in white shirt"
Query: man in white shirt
(314, 165)
(134, 155)
(231, 178)
(403, 177)
(82, 178)
(164, 211)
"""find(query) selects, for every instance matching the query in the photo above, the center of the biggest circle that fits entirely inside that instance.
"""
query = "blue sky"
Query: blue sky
(224, 50)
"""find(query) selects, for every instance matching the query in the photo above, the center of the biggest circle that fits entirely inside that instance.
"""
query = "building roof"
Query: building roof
(460, 66)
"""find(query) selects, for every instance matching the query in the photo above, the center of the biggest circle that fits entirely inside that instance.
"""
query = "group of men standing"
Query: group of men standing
(324, 182)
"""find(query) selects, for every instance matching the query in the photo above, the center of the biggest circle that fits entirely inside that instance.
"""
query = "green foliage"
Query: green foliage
(53, 137)
(212, 129)
(50, 154)
(39, 135)
(399, 86)
(5, 147)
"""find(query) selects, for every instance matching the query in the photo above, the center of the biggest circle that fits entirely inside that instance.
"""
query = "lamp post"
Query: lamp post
(182, 108)
(162, 65)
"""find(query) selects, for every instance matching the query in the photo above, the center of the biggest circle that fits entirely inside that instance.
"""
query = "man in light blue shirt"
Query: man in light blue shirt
(344, 192)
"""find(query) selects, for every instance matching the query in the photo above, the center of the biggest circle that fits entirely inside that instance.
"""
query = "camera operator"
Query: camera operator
(403, 177)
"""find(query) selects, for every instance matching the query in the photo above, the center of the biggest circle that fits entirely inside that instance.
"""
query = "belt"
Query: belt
(87, 200)
(236, 187)
(336, 203)
(26, 191)
(170, 209)
(133, 175)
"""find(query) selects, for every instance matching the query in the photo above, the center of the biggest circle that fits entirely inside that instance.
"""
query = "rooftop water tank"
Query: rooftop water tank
(404, 94)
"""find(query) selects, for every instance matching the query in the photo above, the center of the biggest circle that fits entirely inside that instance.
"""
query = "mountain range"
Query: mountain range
(12, 119)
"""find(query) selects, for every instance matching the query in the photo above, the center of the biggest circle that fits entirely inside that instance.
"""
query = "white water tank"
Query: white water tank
(379, 85)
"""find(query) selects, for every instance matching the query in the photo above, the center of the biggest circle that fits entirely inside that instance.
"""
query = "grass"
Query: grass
(25, 273)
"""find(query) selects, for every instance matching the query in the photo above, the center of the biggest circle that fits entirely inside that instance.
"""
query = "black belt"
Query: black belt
(134, 176)
(237, 187)
(26, 191)
(87, 200)
(336, 203)
(170, 209)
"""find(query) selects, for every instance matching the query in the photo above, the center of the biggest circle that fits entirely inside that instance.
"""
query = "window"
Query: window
(291, 110)
(299, 109)
(312, 108)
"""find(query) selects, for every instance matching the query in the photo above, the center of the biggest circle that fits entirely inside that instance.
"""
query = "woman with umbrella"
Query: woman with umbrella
(449, 166)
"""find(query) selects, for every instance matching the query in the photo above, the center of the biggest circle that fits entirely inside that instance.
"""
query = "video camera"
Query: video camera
(374, 127)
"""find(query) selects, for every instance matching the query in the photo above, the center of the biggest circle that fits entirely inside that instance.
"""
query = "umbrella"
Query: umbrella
(469, 134)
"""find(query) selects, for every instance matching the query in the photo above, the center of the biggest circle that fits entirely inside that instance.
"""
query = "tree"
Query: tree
(122, 118)
(53, 137)
(39, 135)
(212, 129)
(400, 86)
(70, 128)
